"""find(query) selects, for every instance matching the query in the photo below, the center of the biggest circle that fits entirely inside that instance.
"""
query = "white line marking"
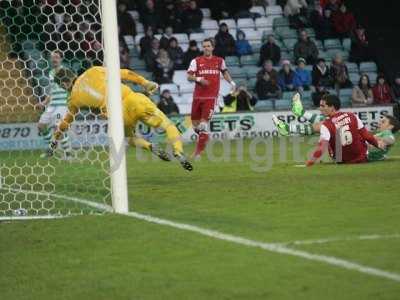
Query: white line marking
(277, 248)
(271, 247)
(22, 218)
(339, 239)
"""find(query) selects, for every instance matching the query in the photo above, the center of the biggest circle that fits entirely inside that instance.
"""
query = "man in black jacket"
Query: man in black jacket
(270, 51)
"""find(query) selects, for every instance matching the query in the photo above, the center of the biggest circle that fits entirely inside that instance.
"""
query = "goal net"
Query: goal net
(37, 38)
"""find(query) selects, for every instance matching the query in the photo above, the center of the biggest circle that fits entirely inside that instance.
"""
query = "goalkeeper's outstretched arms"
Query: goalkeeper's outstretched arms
(150, 86)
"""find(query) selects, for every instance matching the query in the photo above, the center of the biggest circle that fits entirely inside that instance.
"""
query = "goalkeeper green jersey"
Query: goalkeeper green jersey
(376, 154)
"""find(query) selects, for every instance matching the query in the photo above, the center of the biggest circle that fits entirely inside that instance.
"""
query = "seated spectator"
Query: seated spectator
(339, 73)
(150, 17)
(163, 68)
(360, 49)
(192, 18)
(176, 53)
(302, 76)
(239, 100)
(270, 51)
(321, 75)
(192, 52)
(242, 45)
(396, 87)
(286, 77)
(296, 11)
(164, 40)
(224, 42)
(343, 22)
(172, 17)
(362, 93)
(267, 88)
(151, 55)
(305, 48)
(382, 92)
(145, 42)
(167, 104)
(268, 68)
(129, 25)
(323, 25)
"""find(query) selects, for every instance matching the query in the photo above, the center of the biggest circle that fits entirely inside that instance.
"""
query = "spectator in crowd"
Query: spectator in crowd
(192, 52)
(219, 9)
(286, 77)
(323, 25)
(360, 49)
(396, 87)
(242, 45)
(339, 73)
(175, 52)
(167, 104)
(145, 42)
(123, 52)
(151, 55)
(172, 17)
(296, 11)
(302, 76)
(268, 68)
(267, 87)
(150, 17)
(163, 68)
(305, 48)
(192, 18)
(224, 42)
(164, 40)
(321, 74)
(343, 22)
(332, 5)
(270, 51)
(362, 93)
(382, 92)
(129, 25)
(239, 100)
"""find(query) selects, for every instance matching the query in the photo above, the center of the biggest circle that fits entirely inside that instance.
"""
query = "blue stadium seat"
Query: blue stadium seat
(280, 22)
(246, 60)
(283, 104)
(372, 77)
(232, 61)
(346, 43)
(332, 44)
(264, 105)
(354, 78)
(288, 95)
(352, 67)
(237, 73)
(289, 43)
(251, 71)
(366, 67)
(251, 83)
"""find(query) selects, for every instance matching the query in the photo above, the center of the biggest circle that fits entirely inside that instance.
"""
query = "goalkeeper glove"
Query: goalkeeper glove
(151, 87)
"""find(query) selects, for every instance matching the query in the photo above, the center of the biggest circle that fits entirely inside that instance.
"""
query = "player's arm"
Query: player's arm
(66, 122)
(367, 136)
(227, 76)
(132, 76)
(322, 146)
(45, 102)
(191, 74)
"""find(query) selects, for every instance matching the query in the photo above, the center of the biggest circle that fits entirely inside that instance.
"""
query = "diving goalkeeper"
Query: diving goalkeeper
(89, 90)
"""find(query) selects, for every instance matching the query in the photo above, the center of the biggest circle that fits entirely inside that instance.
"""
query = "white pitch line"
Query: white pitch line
(271, 247)
(24, 218)
(339, 239)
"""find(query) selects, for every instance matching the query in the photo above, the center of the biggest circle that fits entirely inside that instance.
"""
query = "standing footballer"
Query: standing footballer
(205, 72)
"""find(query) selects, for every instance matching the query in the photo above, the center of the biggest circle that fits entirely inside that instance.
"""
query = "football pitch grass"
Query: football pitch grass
(120, 257)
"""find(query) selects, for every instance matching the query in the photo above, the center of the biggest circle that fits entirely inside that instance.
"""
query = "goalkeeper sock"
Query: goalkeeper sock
(301, 129)
(65, 145)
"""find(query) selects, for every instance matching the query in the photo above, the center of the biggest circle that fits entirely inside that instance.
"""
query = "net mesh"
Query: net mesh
(77, 176)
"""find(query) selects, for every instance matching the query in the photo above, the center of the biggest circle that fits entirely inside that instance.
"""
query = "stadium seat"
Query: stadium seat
(184, 46)
(264, 23)
(134, 14)
(258, 10)
(310, 32)
(130, 42)
(256, 47)
(251, 71)
(346, 43)
(354, 78)
(273, 10)
(187, 98)
(172, 87)
(372, 77)
(246, 60)
(287, 56)
(209, 24)
(286, 33)
(287, 95)
(180, 76)
(206, 13)
(139, 27)
(210, 33)
(319, 44)
(264, 105)
(185, 108)
(231, 23)
(137, 64)
(237, 73)
(345, 97)
(333, 52)
(368, 67)
(280, 22)
(182, 38)
(198, 37)
(245, 23)
(332, 44)
(138, 38)
(253, 36)
(283, 104)
(251, 83)
(187, 87)
(289, 43)
(352, 67)
(232, 61)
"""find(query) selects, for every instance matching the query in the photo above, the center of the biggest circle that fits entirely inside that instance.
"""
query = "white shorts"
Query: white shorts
(53, 115)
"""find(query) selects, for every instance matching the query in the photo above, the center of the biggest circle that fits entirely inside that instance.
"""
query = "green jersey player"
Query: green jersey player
(388, 126)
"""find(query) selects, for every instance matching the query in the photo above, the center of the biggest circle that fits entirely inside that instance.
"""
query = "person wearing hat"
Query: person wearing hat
(286, 77)
(303, 76)
(192, 52)
(224, 42)
(167, 104)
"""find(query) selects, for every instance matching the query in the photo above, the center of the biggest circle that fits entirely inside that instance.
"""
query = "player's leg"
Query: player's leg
(204, 112)
(43, 125)
(65, 144)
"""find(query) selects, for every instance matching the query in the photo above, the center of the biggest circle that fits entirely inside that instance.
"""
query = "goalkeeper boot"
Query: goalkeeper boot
(183, 161)
(281, 126)
(50, 150)
(155, 149)
(297, 106)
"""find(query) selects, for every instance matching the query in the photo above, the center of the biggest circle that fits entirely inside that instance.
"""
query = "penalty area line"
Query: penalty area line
(270, 247)
(341, 239)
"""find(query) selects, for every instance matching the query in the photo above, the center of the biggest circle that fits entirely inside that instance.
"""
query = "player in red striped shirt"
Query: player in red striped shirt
(205, 72)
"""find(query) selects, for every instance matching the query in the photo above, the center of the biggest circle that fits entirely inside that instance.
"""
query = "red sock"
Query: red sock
(201, 143)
